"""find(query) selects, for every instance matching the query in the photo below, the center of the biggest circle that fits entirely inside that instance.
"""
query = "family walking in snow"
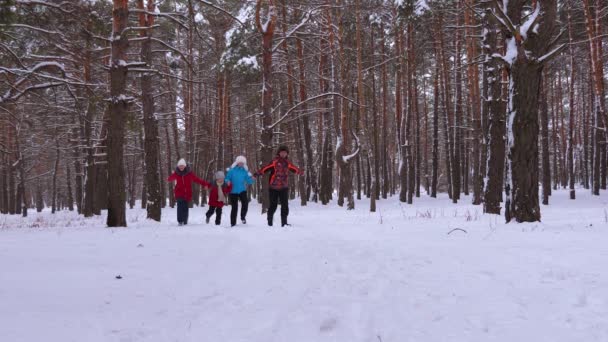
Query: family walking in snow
(233, 188)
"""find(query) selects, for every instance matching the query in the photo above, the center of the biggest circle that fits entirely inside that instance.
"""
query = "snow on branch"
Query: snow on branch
(171, 16)
(551, 53)
(9, 97)
(181, 54)
(61, 6)
(501, 16)
(357, 146)
(284, 116)
(523, 30)
(29, 27)
(26, 74)
(268, 26)
(207, 3)
(307, 17)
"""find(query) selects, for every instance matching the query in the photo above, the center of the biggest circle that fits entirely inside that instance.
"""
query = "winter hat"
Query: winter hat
(219, 175)
(181, 162)
(283, 148)
(241, 159)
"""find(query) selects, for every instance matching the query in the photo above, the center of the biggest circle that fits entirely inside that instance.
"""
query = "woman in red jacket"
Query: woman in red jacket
(183, 178)
(217, 197)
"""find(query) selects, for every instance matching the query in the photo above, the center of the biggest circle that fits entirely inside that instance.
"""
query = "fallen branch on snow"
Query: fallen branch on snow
(460, 229)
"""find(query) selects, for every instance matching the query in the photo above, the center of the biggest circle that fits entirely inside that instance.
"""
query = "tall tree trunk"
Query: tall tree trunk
(151, 146)
(68, 181)
(55, 172)
(446, 96)
(526, 56)
(400, 113)
(572, 111)
(385, 127)
(412, 114)
(373, 150)
(117, 113)
(475, 105)
(546, 165)
(457, 127)
(435, 153)
(493, 73)
(267, 32)
(599, 104)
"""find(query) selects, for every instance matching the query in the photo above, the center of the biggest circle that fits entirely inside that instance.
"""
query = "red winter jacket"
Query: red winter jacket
(279, 172)
(183, 185)
(213, 202)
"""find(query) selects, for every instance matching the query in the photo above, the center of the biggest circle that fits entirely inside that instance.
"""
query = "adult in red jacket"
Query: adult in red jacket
(279, 170)
(218, 197)
(183, 178)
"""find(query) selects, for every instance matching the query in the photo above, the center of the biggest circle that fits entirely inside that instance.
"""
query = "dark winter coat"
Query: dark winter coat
(183, 183)
(213, 195)
(279, 172)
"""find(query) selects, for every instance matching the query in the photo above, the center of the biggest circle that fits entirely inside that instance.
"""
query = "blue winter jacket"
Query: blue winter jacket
(239, 178)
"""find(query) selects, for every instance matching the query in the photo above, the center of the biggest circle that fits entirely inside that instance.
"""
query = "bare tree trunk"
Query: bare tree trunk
(585, 129)
(445, 86)
(572, 111)
(68, 181)
(373, 178)
(599, 103)
(385, 130)
(496, 124)
(526, 60)
(267, 32)
(400, 113)
(55, 172)
(435, 153)
(412, 114)
(457, 127)
(475, 105)
(546, 166)
(117, 112)
(151, 146)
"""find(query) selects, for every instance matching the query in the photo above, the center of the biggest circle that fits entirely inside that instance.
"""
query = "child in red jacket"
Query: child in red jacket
(217, 197)
(183, 178)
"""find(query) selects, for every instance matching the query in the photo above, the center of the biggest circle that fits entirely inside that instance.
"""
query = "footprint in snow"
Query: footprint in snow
(328, 324)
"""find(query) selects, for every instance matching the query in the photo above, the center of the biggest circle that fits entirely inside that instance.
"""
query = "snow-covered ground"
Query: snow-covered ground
(336, 275)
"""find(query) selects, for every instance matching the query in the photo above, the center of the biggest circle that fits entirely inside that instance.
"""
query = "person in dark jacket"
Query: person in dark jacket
(239, 177)
(279, 170)
(183, 178)
(217, 198)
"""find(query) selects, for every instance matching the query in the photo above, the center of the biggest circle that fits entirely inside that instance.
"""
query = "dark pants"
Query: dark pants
(234, 202)
(281, 195)
(218, 214)
(182, 211)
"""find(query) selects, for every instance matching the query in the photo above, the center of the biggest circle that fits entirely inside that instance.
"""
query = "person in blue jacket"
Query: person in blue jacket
(239, 177)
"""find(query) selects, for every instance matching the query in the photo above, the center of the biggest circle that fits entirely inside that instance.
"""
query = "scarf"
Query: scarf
(220, 192)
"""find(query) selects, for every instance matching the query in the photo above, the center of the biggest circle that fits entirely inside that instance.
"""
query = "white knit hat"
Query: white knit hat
(219, 175)
(181, 162)
(241, 159)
